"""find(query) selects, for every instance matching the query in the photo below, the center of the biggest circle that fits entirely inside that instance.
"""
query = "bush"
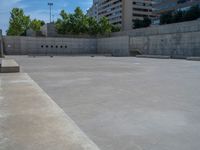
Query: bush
(166, 18)
(142, 23)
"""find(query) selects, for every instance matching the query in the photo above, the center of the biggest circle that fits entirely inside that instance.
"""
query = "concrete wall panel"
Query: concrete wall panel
(45, 46)
(116, 46)
(175, 45)
(176, 40)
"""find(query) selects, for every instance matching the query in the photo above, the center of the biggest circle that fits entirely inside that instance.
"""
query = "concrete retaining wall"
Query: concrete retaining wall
(43, 45)
(190, 26)
(175, 45)
(116, 46)
(176, 40)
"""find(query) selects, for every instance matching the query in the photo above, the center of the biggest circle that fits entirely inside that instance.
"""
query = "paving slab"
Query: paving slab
(31, 120)
(125, 103)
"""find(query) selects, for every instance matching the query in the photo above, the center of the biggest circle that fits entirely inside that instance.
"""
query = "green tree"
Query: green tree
(105, 26)
(115, 28)
(63, 24)
(137, 24)
(146, 22)
(192, 14)
(177, 16)
(79, 23)
(18, 23)
(93, 28)
(75, 23)
(166, 18)
(36, 24)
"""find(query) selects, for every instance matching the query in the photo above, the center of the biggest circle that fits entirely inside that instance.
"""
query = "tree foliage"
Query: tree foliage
(115, 29)
(79, 23)
(181, 15)
(93, 27)
(18, 23)
(36, 24)
(142, 23)
(104, 26)
(74, 23)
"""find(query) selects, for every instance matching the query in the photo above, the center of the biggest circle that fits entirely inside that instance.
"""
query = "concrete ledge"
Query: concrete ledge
(31, 120)
(193, 58)
(153, 56)
(69, 55)
(9, 66)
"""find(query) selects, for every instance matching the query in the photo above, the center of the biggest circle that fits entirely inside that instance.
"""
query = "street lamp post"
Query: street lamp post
(50, 5)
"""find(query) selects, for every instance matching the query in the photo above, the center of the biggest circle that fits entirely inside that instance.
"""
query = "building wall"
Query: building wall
(112, 9)
(127, 13)
(41, 45)
(93, 10)
(122, 13)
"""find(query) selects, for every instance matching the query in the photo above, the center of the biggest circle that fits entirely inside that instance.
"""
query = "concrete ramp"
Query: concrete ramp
(31, 120)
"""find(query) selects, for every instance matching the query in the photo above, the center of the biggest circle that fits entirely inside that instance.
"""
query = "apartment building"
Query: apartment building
(93, 10)
(164, 6)
(122, 13)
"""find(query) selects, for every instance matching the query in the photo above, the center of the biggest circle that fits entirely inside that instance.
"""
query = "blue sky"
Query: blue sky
(38, 8)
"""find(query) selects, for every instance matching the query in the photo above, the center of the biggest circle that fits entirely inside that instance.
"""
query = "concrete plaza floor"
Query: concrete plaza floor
(125, 103)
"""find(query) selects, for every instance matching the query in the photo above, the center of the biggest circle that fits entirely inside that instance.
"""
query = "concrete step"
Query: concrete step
(193, 58)
(9, 66)
(153, 56)
(31, 120)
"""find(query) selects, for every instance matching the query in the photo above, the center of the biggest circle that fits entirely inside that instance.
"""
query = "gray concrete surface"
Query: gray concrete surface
(31, 120)
(125, 103)
(9, 66)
